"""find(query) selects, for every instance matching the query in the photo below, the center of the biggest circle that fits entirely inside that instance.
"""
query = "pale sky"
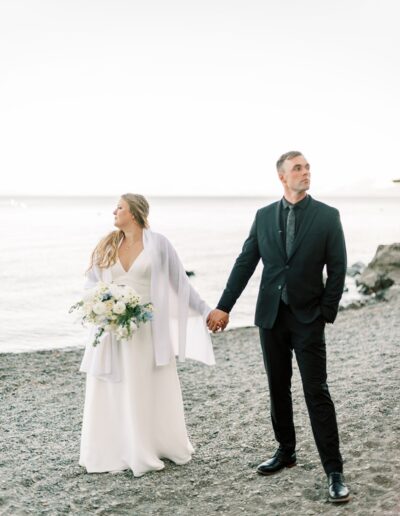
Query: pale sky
(196, 97)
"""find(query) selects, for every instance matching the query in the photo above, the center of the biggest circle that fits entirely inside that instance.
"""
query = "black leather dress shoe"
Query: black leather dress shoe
(338, 491)
(278, 462)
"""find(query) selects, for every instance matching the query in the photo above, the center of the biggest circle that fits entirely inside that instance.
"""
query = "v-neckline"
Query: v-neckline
(132, 264)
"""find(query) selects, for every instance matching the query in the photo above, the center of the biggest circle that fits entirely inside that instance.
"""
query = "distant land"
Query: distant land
(368, 188)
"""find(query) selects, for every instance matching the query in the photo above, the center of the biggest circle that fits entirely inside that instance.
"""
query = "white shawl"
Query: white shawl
(179, 318)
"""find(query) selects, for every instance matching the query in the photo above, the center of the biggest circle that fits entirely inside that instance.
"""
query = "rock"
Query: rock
(353, 305)
(387, 261)
(387, 256)
(355, 269)
(371, 282)
(392, 293)
(382, 272)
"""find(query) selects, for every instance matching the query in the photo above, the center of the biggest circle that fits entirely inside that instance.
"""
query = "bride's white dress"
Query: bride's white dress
(134, 423)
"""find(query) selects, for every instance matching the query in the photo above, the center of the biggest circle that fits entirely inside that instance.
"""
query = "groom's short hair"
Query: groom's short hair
(288, 155)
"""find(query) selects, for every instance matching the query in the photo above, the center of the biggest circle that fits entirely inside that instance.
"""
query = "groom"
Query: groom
(295, 238)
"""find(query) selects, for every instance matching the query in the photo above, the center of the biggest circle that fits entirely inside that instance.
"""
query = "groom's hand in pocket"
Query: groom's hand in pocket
(217, 320)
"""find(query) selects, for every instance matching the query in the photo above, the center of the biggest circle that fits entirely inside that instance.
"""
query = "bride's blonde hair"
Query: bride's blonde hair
(105, 253)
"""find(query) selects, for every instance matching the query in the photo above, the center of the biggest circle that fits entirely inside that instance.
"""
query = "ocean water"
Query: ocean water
(46, 243)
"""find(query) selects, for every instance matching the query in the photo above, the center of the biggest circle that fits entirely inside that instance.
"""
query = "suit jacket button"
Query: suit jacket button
(287, 266)
(279, 287)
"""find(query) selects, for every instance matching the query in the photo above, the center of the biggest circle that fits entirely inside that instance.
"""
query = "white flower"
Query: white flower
(116, 290)
(101, 287)
(133, 326)
(132, 299)
(99, 308)
(101, 320)
(119, 307)
(87, 308)
(121, 333)
(109, 305)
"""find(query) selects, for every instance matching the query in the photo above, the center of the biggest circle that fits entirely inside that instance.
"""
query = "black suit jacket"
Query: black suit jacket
(318, 242)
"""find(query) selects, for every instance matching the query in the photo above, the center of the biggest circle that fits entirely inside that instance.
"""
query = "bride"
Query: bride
(133, 415)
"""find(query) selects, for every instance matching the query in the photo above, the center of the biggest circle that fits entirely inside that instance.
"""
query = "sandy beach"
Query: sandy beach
(227, 412)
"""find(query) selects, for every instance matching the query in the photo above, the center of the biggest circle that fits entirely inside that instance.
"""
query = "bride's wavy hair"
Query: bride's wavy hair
(105, 253)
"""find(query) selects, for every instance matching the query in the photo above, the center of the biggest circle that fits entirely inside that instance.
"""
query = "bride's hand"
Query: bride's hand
(217, 320)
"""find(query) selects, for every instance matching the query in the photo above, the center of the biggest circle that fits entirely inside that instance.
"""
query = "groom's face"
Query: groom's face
(295, 174)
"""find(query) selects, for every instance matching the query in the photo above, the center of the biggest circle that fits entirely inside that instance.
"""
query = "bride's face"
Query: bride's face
(122, 216)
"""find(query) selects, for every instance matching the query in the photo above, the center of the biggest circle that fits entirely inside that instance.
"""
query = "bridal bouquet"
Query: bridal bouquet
(113, 308)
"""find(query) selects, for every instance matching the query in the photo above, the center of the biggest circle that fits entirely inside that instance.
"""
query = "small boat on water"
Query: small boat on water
(396, 180)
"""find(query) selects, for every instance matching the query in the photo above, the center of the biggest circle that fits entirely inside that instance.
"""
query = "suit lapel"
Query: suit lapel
(309, 216)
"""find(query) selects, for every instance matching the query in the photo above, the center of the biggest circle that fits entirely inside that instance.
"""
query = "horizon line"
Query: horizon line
(193, 196)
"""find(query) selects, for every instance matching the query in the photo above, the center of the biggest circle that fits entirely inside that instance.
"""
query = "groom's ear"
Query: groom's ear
(281, 176)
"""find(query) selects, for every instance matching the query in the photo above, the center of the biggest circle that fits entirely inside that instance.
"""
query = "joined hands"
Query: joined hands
(217, 320)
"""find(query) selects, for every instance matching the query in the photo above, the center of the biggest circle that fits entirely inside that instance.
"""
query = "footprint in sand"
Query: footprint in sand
(311, 494)
(370, 444)
(383, 481)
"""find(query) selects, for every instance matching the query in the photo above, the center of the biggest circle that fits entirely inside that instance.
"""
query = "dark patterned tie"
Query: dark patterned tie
(290, 229)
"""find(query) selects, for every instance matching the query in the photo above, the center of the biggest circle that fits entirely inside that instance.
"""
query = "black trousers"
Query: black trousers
(308, 343)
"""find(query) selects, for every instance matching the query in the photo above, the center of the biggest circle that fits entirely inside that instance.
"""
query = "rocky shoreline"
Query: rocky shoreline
(369, 284)
(227, 412)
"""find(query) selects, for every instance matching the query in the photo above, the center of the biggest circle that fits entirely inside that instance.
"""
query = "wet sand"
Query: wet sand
(227, 412)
